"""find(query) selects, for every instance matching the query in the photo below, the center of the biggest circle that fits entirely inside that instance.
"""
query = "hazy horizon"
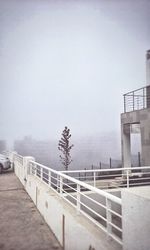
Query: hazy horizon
(68, 63)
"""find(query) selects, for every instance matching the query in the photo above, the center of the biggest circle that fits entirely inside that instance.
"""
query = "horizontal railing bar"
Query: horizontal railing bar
(100, 216)
(96, 202)
(87, 186)
(116, 238)
(145, 87)
(97, 176)
(115, 213)
(116, 227)
(139, 184)
(64, 184)
(138, 95)
(106, 170)
(68, 194)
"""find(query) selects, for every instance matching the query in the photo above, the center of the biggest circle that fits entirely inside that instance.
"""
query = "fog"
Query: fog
(69, 63)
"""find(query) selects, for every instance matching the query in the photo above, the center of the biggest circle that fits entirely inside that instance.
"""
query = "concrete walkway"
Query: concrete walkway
(21, 225)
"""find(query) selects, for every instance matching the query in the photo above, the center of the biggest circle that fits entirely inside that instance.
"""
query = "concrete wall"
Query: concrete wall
(143, 118)
(136, 218)
(73, 230)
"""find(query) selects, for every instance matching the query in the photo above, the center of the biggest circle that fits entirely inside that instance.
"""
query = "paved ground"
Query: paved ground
(21, 225)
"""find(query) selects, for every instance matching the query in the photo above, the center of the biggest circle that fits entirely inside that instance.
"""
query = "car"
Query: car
(4, 163)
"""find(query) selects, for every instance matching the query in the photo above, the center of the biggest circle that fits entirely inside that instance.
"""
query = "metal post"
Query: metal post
(61, 184)
(110, 162)
(124, 103)
(92, 167)
(100, 165)
(138, 105)
(144, 98)
(41, 173)
(127, 172)
(108, 216)
(58, 182)
(78, 198)
(49, 178)
(139, 159)
(85, 174)
(133, 100)
(35, 170)
(94, 179)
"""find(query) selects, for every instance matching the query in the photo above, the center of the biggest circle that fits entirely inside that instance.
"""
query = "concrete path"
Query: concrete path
(21, 225)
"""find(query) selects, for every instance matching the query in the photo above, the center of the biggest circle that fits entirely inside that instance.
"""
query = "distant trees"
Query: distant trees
(65, 147)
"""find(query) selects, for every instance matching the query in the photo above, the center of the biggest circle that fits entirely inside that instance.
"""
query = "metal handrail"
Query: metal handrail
(137, 99)
(105, 170)
(83, 184)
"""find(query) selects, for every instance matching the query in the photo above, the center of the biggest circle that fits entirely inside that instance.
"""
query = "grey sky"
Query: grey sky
(68, 63)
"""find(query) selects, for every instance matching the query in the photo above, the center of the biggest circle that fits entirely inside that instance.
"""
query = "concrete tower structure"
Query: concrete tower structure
(137, 113)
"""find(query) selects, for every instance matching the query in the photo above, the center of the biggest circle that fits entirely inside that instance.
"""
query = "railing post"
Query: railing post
(49, 178)
(144, 98)
(94, 179)
(41, 173)
(133, 100)
(108, 217)
(110, 162)
(61, 185)
(127, 178)
(36, 170)
(78, 198)
(124, 103)
(138, 103)
(58, 182)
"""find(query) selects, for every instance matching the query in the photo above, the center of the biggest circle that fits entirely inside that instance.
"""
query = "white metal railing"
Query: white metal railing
(18, 158)
(113, 178)
(100, 207)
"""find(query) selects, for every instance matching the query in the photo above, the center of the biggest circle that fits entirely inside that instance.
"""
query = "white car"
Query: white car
(4, 163)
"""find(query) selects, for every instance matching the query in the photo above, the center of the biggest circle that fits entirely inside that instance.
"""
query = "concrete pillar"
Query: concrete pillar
(126, 145)
(145, 141)
(26, 166)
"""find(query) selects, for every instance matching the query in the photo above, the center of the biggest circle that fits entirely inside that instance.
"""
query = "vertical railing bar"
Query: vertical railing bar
(108, 217)
(143, 97)
(127, 172)
(124, 103)
(49, 178)
(78, 198)
(61, 184)
(41, 173)
(94, 179)
(133, 100)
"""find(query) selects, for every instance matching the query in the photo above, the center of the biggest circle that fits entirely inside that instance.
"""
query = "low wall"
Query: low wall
(73, 231)
(136, 218)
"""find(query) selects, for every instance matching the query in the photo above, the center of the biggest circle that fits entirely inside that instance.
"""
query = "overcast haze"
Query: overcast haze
(69, 63)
